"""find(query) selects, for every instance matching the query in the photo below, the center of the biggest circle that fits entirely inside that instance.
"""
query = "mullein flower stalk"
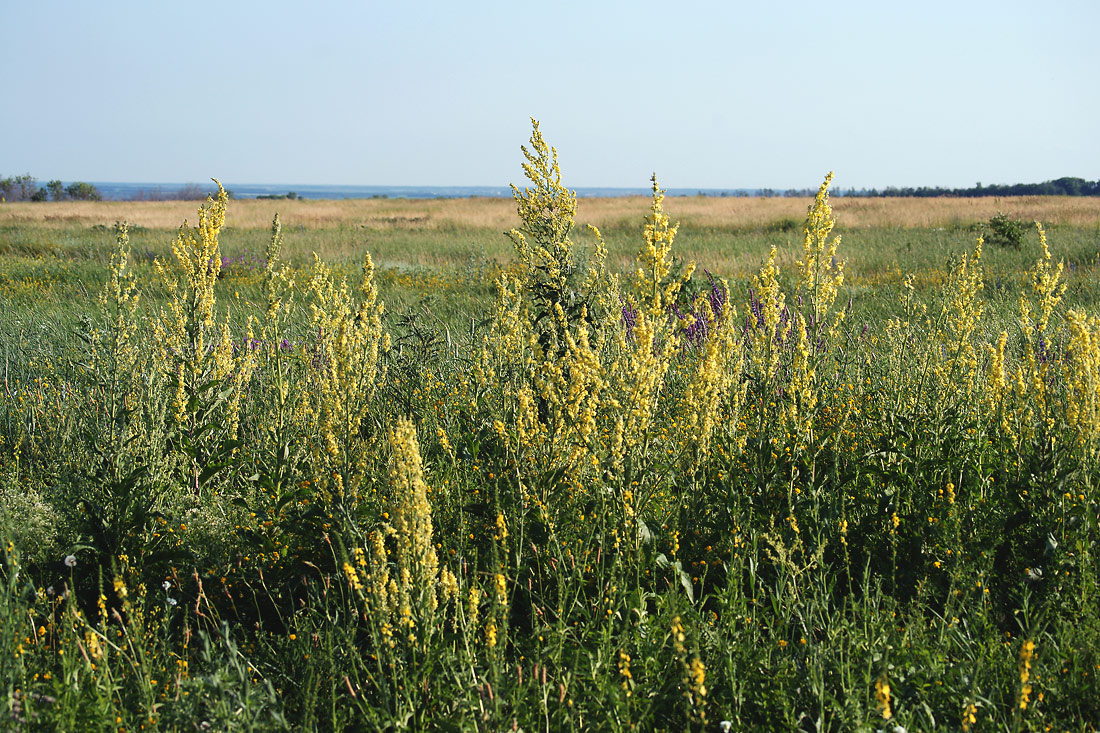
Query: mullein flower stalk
(1081, 377)
(117, 354)
(412, 513)
(347, 371)
(957, 373)
(820, 274)
(194, 351)
(1032, 403)
(547, 210)
(646, 355)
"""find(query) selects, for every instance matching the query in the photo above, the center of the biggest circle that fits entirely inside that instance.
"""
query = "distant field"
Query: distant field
(727, 235)
(449, 250)
(500, 214)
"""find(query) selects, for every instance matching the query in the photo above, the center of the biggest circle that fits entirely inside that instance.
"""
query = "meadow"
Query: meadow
(789, 464)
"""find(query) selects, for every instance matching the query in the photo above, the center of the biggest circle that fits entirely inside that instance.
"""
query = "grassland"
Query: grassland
(56, 251)
(497, 215)
(525, 494)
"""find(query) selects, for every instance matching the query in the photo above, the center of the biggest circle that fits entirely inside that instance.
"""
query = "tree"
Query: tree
(81, 191)
(56, 189)
(18, 188)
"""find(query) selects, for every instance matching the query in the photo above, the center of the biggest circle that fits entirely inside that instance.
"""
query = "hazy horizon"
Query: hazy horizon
(712, 95)
(162, 190)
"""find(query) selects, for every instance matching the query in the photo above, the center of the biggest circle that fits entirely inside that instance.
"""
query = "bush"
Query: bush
(1005, 231)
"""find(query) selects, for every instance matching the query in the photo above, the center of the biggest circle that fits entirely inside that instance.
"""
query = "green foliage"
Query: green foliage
(1005, 231)
(57, 190)
(81, 191)
(224, 694)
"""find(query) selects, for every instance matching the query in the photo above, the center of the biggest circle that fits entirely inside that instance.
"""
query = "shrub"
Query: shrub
(1005, 231)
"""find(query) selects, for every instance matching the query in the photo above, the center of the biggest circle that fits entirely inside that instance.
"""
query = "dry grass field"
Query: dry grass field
(481, 214)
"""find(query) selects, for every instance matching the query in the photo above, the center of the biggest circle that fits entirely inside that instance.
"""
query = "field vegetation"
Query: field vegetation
(496, 215)
(785, 465)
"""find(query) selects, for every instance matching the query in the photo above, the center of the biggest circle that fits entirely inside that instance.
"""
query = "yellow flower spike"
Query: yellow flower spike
(698, 674)
(882, 697)
(820, 275)
(1027, 653)
(351, 338)
(654, 260)
(969, 716)
(1081, 375)
(412, 514)
(961, 313)
(473, 604)
(1046, 283)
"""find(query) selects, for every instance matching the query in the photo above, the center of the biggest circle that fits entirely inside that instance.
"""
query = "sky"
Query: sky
(706, 94)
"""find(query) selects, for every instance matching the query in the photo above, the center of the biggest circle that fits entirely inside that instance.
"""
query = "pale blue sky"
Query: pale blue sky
(707, 94)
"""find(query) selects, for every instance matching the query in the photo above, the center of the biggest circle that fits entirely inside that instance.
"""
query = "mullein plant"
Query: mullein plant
(954, 356)
(115, 493)
(117, 354)
(207, 376)
(818, 323)
(282, 364)
(791, 364)
(542, 360)
(407, 595)
(1021, 394)
(1081, 377)
(604, 397)
(581, 363)
(646, 350)
(133, 397)
(345, 377)
(653, 420)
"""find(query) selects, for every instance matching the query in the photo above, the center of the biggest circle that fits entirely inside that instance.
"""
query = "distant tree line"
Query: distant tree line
(1060, 187)
(26, 188)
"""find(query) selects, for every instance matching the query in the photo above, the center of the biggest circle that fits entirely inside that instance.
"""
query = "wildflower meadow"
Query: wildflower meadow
(827, 477)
